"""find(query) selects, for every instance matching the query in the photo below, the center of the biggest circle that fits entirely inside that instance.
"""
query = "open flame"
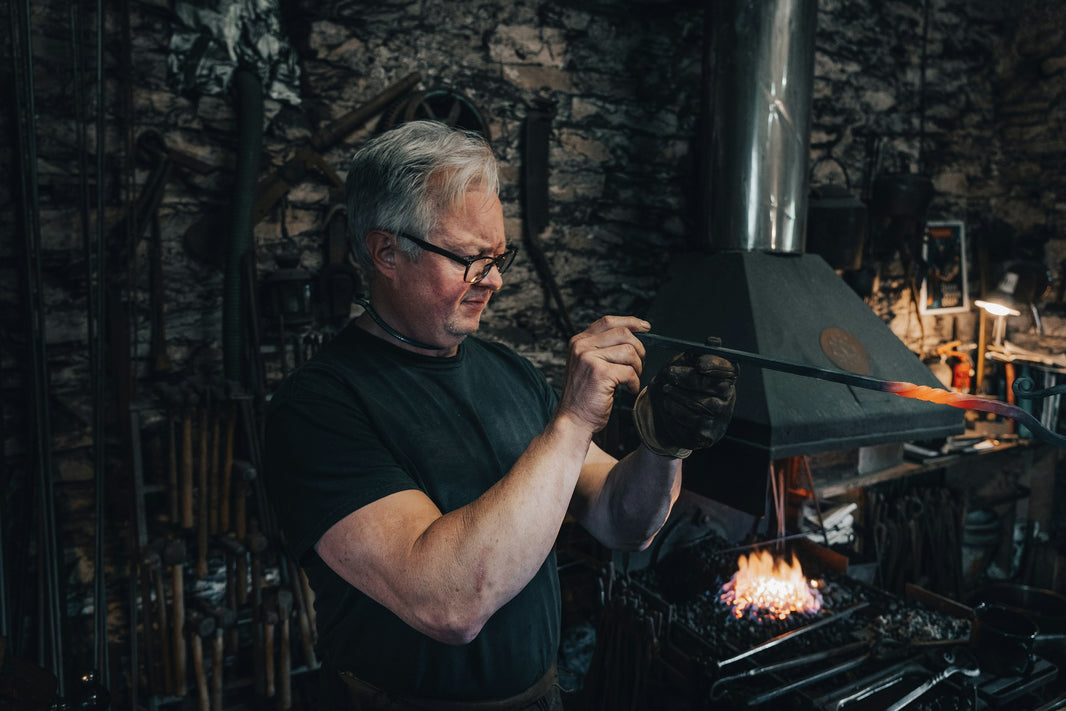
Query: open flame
(767, 587)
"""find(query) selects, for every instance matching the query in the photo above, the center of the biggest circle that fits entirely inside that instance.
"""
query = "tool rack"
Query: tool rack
(220, 613)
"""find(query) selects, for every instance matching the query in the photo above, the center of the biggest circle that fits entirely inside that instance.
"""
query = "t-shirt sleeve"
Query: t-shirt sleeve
(323, 459)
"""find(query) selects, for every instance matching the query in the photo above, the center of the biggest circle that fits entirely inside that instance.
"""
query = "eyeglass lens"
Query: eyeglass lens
(479, 269)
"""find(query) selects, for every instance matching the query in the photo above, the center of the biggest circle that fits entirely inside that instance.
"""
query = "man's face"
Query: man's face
(439, 307)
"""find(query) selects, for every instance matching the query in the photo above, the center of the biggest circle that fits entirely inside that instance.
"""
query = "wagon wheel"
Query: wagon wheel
(444, 105)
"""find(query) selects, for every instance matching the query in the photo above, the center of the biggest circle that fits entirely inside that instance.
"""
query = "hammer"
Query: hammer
(153, 563)
(245, 472)
(227, 467)
(172, 400)
(217, 396)
(284, 602)
(202, 495)
(225, 620)
(235, 587)
(257, 543)
(174, 556)
(186, 459)
(199, 627)
(268, 614)
(147, 573)
(302, 601)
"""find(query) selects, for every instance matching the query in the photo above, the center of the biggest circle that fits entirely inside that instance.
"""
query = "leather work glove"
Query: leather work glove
(688, 404)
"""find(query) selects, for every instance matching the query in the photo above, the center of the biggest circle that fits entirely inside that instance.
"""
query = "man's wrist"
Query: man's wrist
(644, 420)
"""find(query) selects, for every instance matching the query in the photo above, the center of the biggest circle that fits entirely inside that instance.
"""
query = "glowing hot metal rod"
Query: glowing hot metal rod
(1022, 386)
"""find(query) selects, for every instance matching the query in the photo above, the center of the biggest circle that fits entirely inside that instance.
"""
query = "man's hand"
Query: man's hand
(602, 357)
(688, 404)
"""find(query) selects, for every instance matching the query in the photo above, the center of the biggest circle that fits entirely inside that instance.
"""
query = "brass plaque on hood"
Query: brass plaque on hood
(845, 350)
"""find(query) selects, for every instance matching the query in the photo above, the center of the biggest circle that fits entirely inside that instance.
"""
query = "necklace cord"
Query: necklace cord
(392, 331)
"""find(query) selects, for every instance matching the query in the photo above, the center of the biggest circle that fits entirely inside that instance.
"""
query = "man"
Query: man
(421, 474)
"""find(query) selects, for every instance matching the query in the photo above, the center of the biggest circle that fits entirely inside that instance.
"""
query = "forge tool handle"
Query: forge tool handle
(937, 396)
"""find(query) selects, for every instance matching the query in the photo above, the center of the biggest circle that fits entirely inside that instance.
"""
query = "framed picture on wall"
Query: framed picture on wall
(944, 286)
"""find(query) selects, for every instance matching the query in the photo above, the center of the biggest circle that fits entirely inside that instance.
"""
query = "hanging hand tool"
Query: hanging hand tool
(217, 663)
(155, 561)
(150, 144)
(151, 582)
(535, 184)
(213, 473)
(257, 544)
(172, 400)
(203, 417)
(227, 468)
(225, 619)
(187, 465)
(236, 591)
(174, 556)
(202, 238)
(268, 617)
(303, 613)
(896, 387)
(284, 608)
(199, 627)
(244, 472)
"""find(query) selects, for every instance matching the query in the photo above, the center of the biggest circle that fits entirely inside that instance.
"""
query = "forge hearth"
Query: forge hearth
(862, 649)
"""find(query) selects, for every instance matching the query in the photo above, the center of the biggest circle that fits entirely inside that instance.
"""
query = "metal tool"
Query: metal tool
(716, 688)
(1022, 387)
(933, 681)
(174, 556)
(200, 627)
(794, 633)
(808, 680)
(884, 680)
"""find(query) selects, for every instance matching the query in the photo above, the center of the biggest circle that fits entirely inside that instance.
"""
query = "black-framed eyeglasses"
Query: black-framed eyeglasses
(477, 268)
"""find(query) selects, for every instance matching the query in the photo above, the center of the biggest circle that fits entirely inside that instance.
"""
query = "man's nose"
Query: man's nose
(493, 280)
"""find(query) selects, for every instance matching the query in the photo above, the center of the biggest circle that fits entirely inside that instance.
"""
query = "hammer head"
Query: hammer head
(243, 470)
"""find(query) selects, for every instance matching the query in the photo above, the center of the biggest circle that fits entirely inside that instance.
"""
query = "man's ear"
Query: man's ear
(383, 251)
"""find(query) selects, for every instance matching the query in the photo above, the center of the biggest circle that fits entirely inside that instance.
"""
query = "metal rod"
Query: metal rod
(793, 634)
(786, 664)
(806, 681)
(937, 396)
(97, 303)
(50, 654)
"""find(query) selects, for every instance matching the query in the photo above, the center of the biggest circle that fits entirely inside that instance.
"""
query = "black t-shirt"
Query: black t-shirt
(365, 419)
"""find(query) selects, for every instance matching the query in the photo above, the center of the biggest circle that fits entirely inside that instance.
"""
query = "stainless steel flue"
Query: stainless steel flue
(755, 287)
(760, 65)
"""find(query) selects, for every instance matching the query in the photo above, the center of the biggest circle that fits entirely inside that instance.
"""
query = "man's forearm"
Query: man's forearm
(636, 498)
(445, 575)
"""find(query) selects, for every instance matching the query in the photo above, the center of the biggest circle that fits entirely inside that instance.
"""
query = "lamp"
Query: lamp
(1022, 285)
(1000, 303)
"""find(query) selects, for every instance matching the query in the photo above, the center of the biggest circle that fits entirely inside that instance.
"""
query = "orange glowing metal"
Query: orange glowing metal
(769, 587)
(1022, 387)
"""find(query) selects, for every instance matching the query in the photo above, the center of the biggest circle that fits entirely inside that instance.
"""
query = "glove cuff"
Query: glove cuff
(644, 420)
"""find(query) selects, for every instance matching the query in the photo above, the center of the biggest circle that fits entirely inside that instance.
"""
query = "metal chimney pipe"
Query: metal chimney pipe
(757, 106)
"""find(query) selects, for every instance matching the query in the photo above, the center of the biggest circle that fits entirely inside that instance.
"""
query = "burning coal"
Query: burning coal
(768, 587)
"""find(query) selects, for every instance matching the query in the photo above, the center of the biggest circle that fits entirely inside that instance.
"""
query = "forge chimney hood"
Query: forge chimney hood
(752, 285)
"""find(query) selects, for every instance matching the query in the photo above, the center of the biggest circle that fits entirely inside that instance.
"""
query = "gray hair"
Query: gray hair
(406, 179)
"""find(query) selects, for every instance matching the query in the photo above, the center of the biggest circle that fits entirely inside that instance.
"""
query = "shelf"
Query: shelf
(828, 484)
